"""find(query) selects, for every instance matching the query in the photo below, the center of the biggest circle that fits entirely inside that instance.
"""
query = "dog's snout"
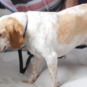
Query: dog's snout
(0, 48)
(4, 48)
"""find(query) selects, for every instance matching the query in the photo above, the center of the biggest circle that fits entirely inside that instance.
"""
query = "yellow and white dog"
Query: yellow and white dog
(47, 35)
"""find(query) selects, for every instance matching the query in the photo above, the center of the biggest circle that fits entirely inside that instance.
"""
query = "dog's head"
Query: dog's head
(11, 33)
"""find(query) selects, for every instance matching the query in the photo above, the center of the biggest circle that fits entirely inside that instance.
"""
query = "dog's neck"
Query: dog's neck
(20, 16)
(25, 28)
(23, 20)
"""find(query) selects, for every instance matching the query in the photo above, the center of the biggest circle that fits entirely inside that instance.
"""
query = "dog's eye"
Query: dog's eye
(0, 35)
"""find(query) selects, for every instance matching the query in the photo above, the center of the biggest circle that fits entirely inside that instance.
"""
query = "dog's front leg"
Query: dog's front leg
(52, 67)
(36, 65)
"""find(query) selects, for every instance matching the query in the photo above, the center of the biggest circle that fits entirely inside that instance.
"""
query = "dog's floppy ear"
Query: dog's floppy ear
(15, 33)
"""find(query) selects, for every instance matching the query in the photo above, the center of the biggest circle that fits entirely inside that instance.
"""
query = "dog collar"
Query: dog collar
(25, 30)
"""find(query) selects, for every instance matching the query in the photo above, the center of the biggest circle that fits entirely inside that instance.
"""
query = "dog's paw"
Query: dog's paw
(31, 81)
(26, 81)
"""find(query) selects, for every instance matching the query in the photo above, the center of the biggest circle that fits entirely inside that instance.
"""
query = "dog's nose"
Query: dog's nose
(0, 48)
(4, 48)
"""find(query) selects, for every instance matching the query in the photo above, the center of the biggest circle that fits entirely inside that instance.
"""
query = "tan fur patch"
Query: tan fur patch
(83, 7)
(15, 31)
(71, 25)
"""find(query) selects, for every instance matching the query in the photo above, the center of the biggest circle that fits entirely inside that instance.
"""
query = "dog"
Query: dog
(46, 35)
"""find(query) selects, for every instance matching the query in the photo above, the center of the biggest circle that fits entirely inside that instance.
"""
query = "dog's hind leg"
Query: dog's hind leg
(52, 67)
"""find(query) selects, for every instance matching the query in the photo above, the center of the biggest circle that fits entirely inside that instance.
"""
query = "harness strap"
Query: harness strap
(22, 70)
(25, 29)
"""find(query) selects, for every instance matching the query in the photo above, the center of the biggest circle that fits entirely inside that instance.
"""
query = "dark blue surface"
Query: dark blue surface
(82, 1)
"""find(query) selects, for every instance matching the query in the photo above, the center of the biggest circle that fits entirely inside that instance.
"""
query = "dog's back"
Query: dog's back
(59, 31)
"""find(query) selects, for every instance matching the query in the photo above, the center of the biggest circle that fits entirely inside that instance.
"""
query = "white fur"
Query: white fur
(41, 38)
